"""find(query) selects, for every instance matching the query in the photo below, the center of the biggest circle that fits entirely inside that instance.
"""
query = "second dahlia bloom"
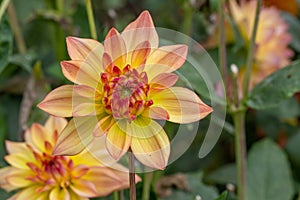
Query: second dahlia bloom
(272, 38)
(39, 175)
(122, 87)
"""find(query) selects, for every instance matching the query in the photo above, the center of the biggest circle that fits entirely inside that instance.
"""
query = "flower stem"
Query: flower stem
(147, 185)
(240, 152)
(250, 56)
(3, 7)
(131, 175)
(118, 195)
(16, 28)
(89, 10)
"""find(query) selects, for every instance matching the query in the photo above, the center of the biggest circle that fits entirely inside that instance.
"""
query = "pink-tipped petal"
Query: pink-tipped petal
(183, 105)
(152, 151)
(55, 124)
(80, 72)
(58, 102)
(140, 30)
(165, 59)
(84, 188)
(117, 140)
(156, 113)
(79, 48)
(15, 147)
(115, 47)
(76, 136)
(164, 80)
(37, 135)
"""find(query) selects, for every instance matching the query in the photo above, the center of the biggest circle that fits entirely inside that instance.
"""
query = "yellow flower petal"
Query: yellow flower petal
(54, 126)
(156, 113)
(59, 193)
(84, 188)
(79, 48)
(88, 109)
(37, 135)
(152, 151)
(182, 105)
(103, 125)
(17, 178)
(4, 184)
(115, 47)
(140, 54)
(140, 30)
(80, 72)
(162, 81)
(19, 160)
(165, 59)
(143, 127)
(76, 136)
(117, 140)
(28, 193)
(58, 102)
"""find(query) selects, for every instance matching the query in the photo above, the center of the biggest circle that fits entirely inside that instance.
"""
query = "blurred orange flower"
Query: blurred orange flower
(122, 86)
(40, 175)
(272, 39)
(291, 6)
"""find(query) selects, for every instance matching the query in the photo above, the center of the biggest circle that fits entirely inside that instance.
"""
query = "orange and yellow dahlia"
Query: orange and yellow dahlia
(39, 175)
(121, 88)
(272, 38)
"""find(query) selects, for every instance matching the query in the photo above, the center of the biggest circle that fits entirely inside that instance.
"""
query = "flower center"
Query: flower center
(125, 92)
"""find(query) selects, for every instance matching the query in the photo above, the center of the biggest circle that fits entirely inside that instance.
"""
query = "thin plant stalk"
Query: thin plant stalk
(3, 7)
(16, 28)
(118, 195)
(89, 10)
(250, 56)
(132, 176)
(147, 185)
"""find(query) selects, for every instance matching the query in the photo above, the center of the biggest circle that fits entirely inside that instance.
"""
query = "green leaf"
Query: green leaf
(6, 40)
(277, 87)
(268, 173)
(196, 188)
(223, 196)
(223, 175)
(294, 29)
(292, 147)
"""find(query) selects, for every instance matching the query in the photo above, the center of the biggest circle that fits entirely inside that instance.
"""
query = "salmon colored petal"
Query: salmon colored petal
(140, 54)
(156, 113)
(37, 135)
(165, 59)
(58, 102)
(75, 196)
(80, 72)
(86, 91)
(59, 193)
(140, 30)
(84, 188)
(16, 147)
(55, 125)
(79, 48)
(152, 151)
(162, 81)
(183, 105)
(115, 47)
(103, 125)
(76, 136)
(117, 140)
(107, 180)
(5, 172)
(88, 109)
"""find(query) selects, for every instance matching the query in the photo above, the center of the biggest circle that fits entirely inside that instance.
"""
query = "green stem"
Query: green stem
(118, 195)
(222, 46)
(250, 56)
(131, 176)
(16, 28)
(240, 152)
(188, 17)
(147, 185)
(89, 10)
(3, 7)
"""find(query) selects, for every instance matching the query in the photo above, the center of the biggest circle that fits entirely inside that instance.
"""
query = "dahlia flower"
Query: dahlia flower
(120, 89)
(272, 38)
(39, 175)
